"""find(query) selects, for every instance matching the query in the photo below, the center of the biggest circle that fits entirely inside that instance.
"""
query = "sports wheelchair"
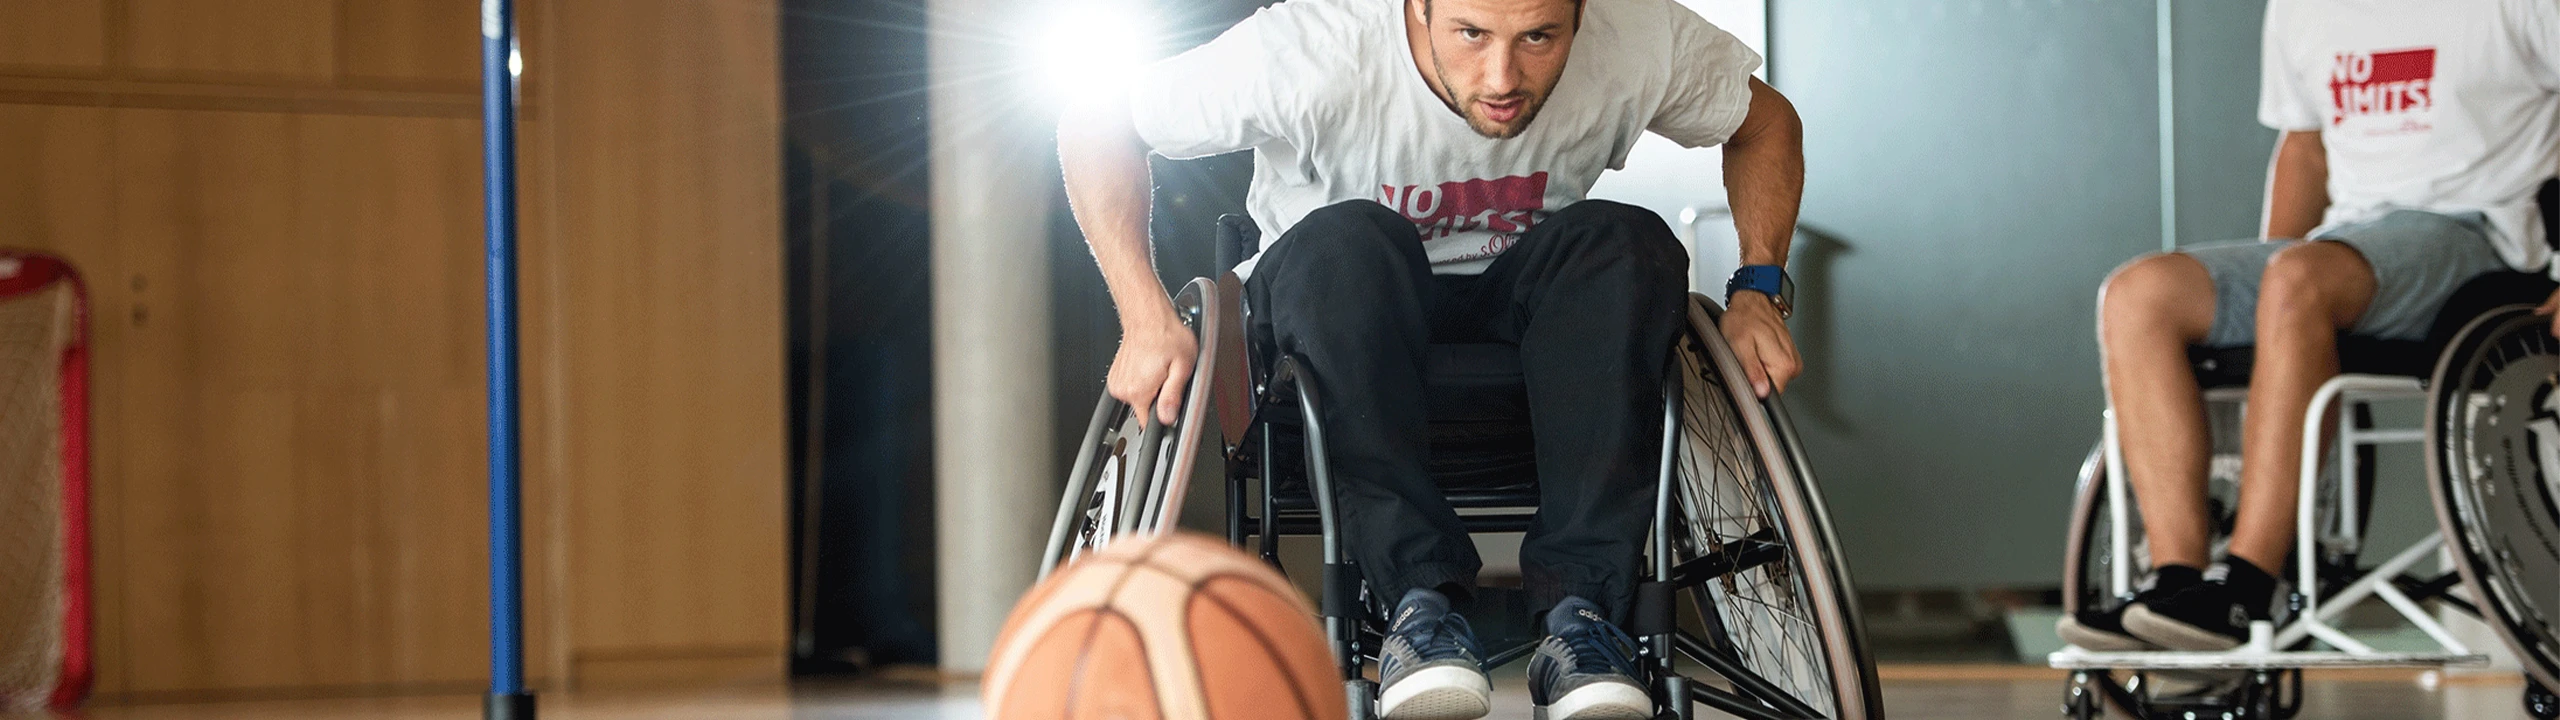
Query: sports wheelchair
(2486, 373)
(1745, 577)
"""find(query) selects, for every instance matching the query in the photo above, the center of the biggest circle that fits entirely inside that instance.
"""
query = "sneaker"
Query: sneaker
(2099, 631)
(1586, 669)
(1429, 664)
(2103, 630)
(2203, 618)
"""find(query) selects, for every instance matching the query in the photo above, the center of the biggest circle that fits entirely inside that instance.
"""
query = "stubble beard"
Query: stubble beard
(1466, 110)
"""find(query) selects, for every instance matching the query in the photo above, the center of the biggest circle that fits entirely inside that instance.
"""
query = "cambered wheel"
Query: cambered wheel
(1765, 572)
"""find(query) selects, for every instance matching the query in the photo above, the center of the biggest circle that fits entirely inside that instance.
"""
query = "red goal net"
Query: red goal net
(44, 475)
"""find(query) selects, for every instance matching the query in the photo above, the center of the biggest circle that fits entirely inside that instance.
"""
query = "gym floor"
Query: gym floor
(1911, 693)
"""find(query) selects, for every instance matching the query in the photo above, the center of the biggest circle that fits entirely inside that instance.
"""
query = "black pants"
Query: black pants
(1592, 297)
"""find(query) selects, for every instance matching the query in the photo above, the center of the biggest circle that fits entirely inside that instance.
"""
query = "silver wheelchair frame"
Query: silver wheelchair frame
(2326, 576)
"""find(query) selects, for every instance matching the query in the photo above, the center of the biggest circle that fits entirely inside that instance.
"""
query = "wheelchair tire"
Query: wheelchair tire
(1745, 499)
(1130, 474)
(2088, 559)
(2493, 425)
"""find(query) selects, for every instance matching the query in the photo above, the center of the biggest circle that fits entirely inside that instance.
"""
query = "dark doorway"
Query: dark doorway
(857, 268)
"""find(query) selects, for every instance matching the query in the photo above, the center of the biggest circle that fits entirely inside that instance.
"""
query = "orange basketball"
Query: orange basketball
(1172, 628)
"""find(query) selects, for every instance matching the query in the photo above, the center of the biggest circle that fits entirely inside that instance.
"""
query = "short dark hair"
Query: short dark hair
(1577, 11)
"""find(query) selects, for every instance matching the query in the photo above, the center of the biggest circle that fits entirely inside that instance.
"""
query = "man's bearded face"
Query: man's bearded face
(1498, 60)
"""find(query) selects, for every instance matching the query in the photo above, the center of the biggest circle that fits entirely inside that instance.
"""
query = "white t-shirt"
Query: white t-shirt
(1327, 95)
(2448, 106)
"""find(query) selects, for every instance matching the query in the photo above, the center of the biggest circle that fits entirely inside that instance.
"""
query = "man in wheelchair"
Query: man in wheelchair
(1421, 172)
(2414, 137)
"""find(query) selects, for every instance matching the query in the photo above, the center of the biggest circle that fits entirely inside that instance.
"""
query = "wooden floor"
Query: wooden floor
(1910, 693)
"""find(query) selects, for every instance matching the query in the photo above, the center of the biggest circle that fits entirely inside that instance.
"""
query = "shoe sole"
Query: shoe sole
(1440, 693)
(2170, 633)
(2089, 638)
(1599, 701)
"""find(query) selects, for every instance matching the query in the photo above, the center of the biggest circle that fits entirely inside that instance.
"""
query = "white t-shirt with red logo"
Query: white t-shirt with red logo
(1327, 95)
(2447, 106)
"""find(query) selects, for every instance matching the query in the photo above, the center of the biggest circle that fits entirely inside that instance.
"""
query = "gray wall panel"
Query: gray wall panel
(1976, 168)
(2222, 150)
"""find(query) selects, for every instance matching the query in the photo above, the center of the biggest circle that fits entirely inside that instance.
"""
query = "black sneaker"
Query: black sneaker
(2100, 631)
(2103, 630)
(1429, 664)
(2207, 617)
(1586, 669)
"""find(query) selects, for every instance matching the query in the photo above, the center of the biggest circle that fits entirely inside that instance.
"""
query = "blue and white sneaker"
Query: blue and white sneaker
(1429, 664)
(1586, 669)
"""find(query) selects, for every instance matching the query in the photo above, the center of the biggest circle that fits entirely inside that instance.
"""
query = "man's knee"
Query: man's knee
(1625, 228)
(2155, 290)
(2315, 278)
(1357, 241)
(1362, 223)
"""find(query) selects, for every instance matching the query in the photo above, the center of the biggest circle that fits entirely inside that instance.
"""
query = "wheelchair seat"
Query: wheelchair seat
(1482, 452)
(1479, 410)
(2363, 355)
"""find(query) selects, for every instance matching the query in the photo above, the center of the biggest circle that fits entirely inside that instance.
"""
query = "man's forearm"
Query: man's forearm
(1108, 183)
(2297, 185)
(1764, 177)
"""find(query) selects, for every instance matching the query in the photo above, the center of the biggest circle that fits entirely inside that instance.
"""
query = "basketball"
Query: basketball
(1166, 628)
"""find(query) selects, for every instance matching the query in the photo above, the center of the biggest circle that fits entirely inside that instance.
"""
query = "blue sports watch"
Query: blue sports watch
(1770, 280)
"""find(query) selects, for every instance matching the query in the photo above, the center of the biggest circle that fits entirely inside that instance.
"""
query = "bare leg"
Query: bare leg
(2150, 311)
(2310, 291)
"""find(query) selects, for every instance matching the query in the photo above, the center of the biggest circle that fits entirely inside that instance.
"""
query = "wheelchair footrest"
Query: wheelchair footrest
(2078, 659)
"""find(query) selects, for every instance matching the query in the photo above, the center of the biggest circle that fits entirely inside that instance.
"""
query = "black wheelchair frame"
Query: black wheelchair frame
(1265, 415)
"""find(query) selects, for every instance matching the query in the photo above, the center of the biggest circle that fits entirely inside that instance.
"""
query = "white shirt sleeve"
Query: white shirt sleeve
(1221, 97)
(2282, 104)
(2536, 24)
(1710, 88)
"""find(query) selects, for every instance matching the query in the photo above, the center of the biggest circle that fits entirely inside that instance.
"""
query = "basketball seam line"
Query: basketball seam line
(1084, 652)
(1297, 691)
(1110, 608)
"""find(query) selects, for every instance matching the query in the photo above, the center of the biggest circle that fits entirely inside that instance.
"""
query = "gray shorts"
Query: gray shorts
(2418, 258)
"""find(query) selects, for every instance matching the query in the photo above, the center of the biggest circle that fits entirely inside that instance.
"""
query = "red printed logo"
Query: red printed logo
(2397, 82)
(1506, 206)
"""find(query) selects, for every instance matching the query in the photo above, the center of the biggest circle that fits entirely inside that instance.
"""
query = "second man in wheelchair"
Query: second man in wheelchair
(1421, 174)
(2413, 138)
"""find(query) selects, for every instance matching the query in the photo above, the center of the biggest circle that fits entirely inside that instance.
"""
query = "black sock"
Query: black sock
(2167, 579)
(2250, 585)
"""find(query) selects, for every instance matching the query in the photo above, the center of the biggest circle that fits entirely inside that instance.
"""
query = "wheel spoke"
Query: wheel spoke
(1732, 520)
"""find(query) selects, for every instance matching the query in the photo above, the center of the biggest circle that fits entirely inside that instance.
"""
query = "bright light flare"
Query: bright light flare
(1088, 48)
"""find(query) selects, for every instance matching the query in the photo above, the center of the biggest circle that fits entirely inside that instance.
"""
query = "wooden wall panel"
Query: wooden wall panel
(409, 44)
(301, 399)
(275, 41)
(53, 37)
(55, 198)
(665, 129)
(276, 203)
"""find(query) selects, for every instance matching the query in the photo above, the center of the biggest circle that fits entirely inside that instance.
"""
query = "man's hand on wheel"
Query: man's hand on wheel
(2551, 308)
(1759, 339)
(1153, 366)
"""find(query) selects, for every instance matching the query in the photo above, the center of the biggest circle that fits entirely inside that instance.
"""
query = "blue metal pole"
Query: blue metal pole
(507, 699)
